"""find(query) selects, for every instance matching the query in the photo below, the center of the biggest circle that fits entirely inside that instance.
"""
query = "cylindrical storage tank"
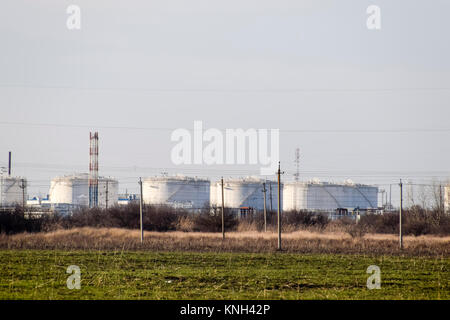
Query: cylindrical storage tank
(177, 191)
(70, 190)
(330, 196)
(74, 190)
(248, 192)
(12, 191)
(108, 192)
(295, 196)
(323, 196)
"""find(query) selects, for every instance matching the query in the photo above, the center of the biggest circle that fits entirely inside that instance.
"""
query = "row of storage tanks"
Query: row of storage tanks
(69, 190)
(248, 193)
(196, 193)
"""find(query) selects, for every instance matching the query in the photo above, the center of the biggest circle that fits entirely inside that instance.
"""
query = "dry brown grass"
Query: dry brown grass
(250, 241)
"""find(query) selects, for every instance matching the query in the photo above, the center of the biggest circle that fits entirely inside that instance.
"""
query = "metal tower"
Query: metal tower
(93, 170)
(297, 164)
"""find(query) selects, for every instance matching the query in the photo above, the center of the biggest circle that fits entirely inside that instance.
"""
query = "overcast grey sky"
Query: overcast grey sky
(293, 65)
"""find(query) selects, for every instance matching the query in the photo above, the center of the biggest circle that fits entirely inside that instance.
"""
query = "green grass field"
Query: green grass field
(35, 274)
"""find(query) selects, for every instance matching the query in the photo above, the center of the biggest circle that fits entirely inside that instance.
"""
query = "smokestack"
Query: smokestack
(9, 164)
(93, 170)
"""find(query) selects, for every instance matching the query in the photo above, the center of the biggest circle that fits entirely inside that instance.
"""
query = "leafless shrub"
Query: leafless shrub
(305, 219)
(19, 220)
(357, 230)
(210, 220)
(185, 224)
(296, 242)
(416, 221)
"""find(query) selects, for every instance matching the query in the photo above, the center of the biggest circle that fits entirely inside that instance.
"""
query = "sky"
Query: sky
(367, 105)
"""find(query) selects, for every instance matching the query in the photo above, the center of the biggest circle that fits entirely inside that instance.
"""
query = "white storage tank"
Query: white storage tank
(295, 196)
(74, 190)
(323, 196)
(176, 191)
(12, 191)
(243, 193)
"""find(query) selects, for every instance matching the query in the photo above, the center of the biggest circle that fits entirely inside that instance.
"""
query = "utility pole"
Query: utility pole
(440, 200)
(381, 192)
(390, 196)
(9, 165)
(22, 186)
(106, 194)
(270, 196)
(140, 210)
(265, 211)
(400, 215)
(279, 205)
(223, 211)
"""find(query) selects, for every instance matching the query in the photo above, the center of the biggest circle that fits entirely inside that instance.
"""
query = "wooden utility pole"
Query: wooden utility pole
(279, 206)
(390, 196)
(106, 194)
(223, 211)
(386, 200)
(400, 215)
(9, 165)
(22, 186)
(265, 211)
(140, 210)
(270, 196)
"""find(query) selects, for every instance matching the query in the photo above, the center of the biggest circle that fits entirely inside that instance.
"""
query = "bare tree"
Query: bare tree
(423, 196)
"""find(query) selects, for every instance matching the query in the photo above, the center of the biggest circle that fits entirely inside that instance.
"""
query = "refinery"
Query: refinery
(241, 195)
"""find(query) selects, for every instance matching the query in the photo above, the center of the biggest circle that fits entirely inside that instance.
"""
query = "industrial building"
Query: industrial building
(13, 191)
(176, 191)
(73, 191)
(245, 194)
(329, 197)
(126, 199)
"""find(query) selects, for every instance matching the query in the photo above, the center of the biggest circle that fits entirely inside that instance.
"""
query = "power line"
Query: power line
(342, 131)
(228, 91)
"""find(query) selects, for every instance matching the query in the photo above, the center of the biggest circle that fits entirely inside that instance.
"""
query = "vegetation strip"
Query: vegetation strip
(41, 274)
